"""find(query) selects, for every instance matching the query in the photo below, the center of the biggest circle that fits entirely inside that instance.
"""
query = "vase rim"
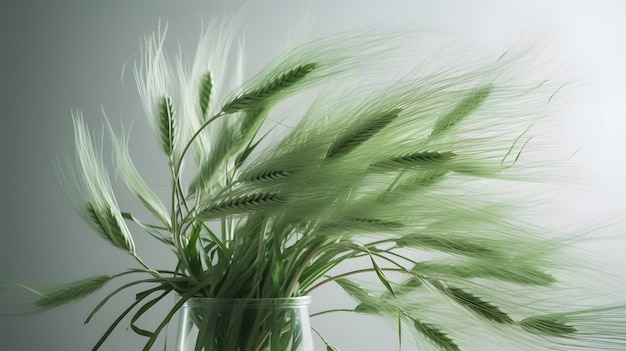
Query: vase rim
(255, 301)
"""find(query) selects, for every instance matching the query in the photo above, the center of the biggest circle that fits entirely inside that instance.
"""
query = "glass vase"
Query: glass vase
(266, 324)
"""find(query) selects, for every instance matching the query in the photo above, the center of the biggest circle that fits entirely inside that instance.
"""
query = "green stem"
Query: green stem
(148, 269)
(173, 311)
(193, 137)
(331, 311)
(347, 274)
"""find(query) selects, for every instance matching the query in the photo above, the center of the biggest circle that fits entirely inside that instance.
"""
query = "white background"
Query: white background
(56, 56)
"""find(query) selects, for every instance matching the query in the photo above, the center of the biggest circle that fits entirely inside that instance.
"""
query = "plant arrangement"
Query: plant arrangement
(386, 175)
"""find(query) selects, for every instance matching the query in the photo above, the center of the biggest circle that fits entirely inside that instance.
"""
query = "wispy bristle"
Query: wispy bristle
(133, 180)
(90, 192)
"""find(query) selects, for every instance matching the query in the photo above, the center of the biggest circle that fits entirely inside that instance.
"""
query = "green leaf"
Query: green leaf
(353, 289)
(329, 347)
(143, 309)
(381, 276)
(192, 255)
(250, 123)
(383, 279)
(213, 167)
(153, 230)
(367, 308)
(119, 319)
(243, 155)
(183, 298)
(116, 291)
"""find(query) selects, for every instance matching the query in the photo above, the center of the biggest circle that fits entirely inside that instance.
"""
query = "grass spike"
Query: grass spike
(108, 226)
(379, 223)
(435, 335)
(254, 98)
(475, 304)
(71, 292)
(360, 224)
(547, 325)
(268, 176)
(463, 109)
(425, 159)
(346, 143)
(167, 126)
(206, 90)
(239, 204)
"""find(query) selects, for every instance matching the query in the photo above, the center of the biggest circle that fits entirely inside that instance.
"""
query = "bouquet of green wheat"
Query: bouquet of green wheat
(386, 171)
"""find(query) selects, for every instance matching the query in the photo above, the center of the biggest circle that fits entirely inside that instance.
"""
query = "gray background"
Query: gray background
(56, 56)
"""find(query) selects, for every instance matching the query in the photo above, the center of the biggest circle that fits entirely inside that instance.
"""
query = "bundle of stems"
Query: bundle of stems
(392, 175)
(245, 324)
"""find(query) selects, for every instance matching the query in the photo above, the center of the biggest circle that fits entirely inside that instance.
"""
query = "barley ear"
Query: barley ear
(71, 292)
(475, 304)
(458, 246)
(252, 99)
(353, 138)
(425, 159)
(206, 89)
(463, 109)
(266, 176)
(547, 325)
(240, 204)
(435, 335)
(108, 225)
(166, 125)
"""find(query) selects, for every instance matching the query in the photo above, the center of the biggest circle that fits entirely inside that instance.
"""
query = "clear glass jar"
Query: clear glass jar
(265, 324)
